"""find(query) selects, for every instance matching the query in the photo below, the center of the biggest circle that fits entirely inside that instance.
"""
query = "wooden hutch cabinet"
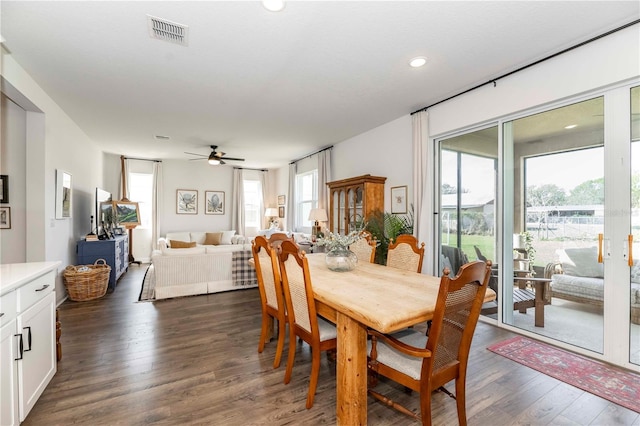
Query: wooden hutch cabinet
(354, 199)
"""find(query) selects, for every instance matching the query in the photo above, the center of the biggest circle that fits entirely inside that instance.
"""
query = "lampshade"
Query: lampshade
(318, 215)
(271, 212)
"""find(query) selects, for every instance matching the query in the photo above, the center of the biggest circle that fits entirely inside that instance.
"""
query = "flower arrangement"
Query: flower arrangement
(332, 241)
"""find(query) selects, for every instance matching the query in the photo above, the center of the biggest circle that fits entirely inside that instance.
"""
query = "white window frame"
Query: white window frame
(249, 207)
(303, 204)
(142, 193)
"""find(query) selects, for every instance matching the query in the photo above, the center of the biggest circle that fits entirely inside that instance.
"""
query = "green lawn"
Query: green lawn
(484, 243)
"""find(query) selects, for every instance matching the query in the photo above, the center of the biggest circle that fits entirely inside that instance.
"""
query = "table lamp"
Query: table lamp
(272, 213)
(317, 215)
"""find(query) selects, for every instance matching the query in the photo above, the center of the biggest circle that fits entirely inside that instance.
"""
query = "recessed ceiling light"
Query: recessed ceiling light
(571, 126)
(273, 5)
(418, 61)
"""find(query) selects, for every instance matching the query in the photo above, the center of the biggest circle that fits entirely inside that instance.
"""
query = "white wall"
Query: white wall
(54, 141)
(200, 176)
(384, 151)
(13, 247)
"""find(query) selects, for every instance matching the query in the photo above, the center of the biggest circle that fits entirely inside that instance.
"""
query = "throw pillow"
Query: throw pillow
(181, 244)
(226, 237)
(213, 239)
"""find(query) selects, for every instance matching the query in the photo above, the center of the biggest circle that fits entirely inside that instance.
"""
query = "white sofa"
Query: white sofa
(201, 269)
(577, 276)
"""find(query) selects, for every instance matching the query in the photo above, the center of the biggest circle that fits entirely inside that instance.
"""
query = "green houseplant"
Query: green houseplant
(384, 227)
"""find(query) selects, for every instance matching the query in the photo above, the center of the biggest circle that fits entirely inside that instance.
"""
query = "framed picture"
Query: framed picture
(187, 201)
(281, 199)
(281, 211)
(5, 217)
(214, 202)
(4, 189)
(127, 213)
(399, 199)
(118, 231)
(63, 194)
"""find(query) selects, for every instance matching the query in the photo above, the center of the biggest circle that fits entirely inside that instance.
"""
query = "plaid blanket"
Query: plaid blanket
(243, 274)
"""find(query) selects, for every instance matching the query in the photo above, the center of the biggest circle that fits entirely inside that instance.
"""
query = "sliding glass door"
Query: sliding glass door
(634, 279)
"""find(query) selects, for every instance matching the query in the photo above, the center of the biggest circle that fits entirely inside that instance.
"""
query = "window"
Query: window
(306, 197)
(141, 191)
(252, 203)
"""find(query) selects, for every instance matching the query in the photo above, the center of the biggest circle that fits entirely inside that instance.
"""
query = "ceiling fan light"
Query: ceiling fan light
(213, 161)
(417, 62)
(273, 5)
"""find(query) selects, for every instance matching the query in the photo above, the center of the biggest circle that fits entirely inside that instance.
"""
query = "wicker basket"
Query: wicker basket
(87, 282)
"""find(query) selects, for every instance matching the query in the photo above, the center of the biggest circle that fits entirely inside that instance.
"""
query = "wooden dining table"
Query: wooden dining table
(375, 296)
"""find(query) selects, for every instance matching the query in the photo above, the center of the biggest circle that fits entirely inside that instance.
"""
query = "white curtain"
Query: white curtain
(264, 185)
(237, 207)
(156, 204)
(423, 182)
(290, 213)
(324, 176)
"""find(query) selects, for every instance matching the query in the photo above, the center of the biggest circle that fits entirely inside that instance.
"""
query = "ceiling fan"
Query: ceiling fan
(214, 158)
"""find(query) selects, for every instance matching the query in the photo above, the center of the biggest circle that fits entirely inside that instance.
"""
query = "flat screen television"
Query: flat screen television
(104, 210)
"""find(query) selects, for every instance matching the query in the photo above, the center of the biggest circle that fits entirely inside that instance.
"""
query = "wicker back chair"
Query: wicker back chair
(271, 294)
(425, 364)
(405, 254)
(278, 237)
(365, 248)
(303, 319)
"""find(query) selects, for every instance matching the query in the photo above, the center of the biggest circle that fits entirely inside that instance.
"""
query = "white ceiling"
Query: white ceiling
(273, 87)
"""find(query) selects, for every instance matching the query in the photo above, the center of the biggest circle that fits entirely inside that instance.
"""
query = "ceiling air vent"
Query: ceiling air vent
(168, 31)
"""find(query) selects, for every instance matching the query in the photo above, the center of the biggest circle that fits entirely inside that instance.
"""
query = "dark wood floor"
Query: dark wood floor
(194, 360)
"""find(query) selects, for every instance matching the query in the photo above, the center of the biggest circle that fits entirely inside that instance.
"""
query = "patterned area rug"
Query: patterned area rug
(147, 292)
(609, 382)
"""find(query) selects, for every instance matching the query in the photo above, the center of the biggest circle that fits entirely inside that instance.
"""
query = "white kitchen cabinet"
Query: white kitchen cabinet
(28, 336)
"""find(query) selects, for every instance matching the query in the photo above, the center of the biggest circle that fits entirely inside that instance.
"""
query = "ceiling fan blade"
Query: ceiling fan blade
(222, 162)
(193, 153)
(196, 159)
(234, 159)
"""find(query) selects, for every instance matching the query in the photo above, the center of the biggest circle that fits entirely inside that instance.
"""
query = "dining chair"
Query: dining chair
(278, 237)
(426, 363)
(271, 294)
(304, 321)
(365, 248)
(405, 254)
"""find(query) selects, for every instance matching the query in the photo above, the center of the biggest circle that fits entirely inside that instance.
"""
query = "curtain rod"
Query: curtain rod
(310, 155)
(245, 168)
(142, 159)
(531, 64)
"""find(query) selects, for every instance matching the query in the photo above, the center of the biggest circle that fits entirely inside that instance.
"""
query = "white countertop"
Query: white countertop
(13, 275)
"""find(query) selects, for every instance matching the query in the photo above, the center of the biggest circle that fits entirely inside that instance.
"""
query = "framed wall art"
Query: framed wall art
(281, 199)
(281, 212)
(214, 202)
(4, 189)
(127, 213)
(5, 217)
(63, 194)
(399, 199)
(187, 201)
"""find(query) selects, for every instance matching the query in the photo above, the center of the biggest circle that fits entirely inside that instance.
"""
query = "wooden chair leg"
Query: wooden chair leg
(461, 401)
(263, 331)
(292, 355)
(280, 347)
(425, 408)
(313, 380)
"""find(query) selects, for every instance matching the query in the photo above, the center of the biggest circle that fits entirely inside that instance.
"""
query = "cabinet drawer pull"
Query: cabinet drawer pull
(20, 347)
(28, 337)
(44, 287)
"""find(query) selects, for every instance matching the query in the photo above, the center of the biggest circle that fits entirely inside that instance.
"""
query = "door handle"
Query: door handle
(600, 238)
(20, 347)
(28, 337)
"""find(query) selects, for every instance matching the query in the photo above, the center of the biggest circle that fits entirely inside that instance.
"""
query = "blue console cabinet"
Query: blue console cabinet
(115, 252)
